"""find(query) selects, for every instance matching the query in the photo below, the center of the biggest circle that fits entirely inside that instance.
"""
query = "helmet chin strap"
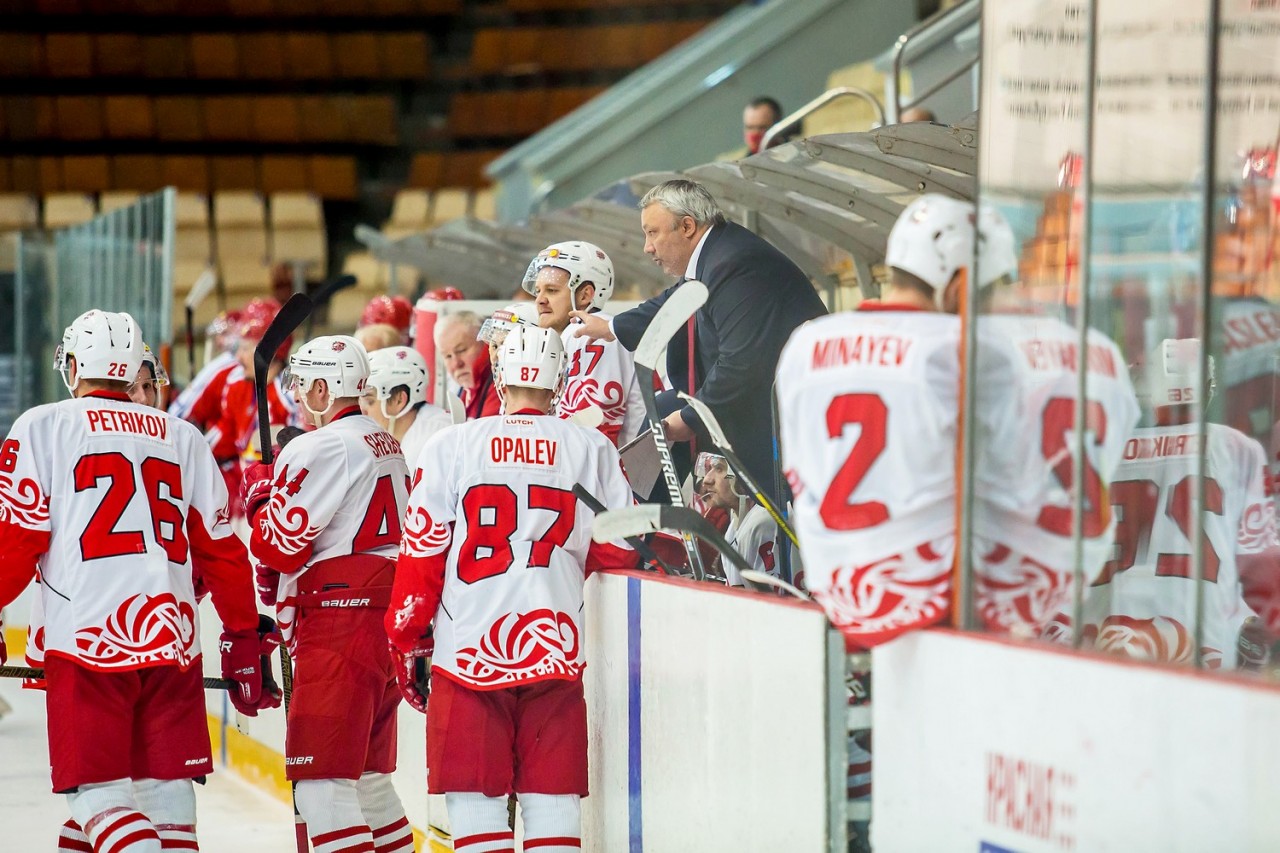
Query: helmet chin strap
(317, 417)
(391, 419)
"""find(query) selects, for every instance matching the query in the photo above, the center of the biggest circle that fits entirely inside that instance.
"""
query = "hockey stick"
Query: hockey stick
(203, 285)
(287, 319)
(722, 444)
(286, 690)
(457, 411)
(33, 672)
(326, 292)
(760, 580)
(682, 304)
(641, 547)
(650, 518)
(780, 484)
(590, 417)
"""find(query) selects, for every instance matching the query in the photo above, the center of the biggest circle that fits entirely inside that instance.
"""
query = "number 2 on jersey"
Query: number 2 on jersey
(492, 513)
(869, 412)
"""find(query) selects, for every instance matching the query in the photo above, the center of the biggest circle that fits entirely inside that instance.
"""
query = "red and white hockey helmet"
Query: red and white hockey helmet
(932, 239)
(532, 357)
(494, 330)
(393, 367)
(158, 373)
(105, 345)
(1173, 373)
(393, 310)
(997, 249)
(339, 360)
(584, 262)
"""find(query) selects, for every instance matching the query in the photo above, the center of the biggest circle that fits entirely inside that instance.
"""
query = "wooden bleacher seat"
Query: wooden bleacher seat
(466, 114)
(86, 173)
(410, 209)
(484, 204)
(357, 56)
(17, 211)
(116, 199)
(308, 56)
(262, 56)
(129, 117)
(186, 172)
(323, 119)
(137, 172)
(448, 204)
(191, 210)
(239, 209)
(489, 50)
(299, 244)
(227, 118)
(68, 55)
(118, 55)
(24, 176)
(426, 169)
(6, 177)
(333, 176)
(617, 46)
(252, 8)
(78, 117)
(284, 173)
(21, 55)
(235, 173)
(296, 210)
(178, 119)
(165, 57)
(372, 119)
(406, 56)
(65, 209)
(49, 174)
(529, 111)
(215, 56)
(367, 269)
(276, 118)
(240, 239)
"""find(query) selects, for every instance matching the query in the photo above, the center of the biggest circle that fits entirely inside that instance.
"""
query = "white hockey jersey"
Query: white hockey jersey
(496, 547)
(1143, 604)
(753, 535)
(338, 490)
(429, 421)
(602, 373)
(1026, 389)
(116, 501)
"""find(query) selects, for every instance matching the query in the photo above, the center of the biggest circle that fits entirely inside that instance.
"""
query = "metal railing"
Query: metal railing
(958, 14)
(787, 122)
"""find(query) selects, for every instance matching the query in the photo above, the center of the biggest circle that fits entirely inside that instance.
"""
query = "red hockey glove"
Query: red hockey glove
(242, 663)
(255, 487)
(413, 673)
(268, 582)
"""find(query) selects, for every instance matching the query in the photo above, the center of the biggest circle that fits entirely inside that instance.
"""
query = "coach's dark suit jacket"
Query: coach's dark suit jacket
(756, 299)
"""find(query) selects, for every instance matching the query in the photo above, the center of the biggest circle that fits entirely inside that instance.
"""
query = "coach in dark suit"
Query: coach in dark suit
(756, 299)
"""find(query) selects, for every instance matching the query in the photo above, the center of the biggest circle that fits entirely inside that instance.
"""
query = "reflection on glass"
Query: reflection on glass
(1144, 603)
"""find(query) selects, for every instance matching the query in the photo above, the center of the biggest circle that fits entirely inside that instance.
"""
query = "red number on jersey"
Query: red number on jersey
(8, 456)
(381, 525)
(766, 555)
(869, 411)
(166, 515)
(1059, 421)
(1137, 501)
(100, 538)
(596, 351)
(492, 513)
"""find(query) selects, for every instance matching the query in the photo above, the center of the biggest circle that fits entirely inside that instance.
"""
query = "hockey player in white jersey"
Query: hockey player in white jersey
(752, 531)
(868, 404)
(1144, 603)
(326, 521)
(396, 398)
(1027, 383)
(116, 503)
(578, 276)
(495, 552)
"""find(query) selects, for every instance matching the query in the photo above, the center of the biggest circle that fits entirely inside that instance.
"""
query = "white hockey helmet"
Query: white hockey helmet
(932, 239)
(160, 375)
(584, 262)
(495, 329)
(340, 360)
(1173, 373)
(105, 345)
(392, 368)
(532, 357)
(997, 249)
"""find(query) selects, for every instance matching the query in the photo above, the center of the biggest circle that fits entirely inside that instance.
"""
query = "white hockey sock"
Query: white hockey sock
(171, 806)
(71, 839)
(552, 822)
(111, 819)
(331, 808)
(384, 813)
(479, 823)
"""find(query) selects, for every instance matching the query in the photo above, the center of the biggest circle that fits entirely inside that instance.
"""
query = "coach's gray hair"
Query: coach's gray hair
(685, 198)
(470, 319)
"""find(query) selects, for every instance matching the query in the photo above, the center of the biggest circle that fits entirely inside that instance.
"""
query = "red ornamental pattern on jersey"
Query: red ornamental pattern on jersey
(1257, 528)
(423, 537)
(287, 529)
(523, 647)
(1017, 594)
(872, 602)
(582, 394)
(144, 630)
(23, 504)
(1161, 639)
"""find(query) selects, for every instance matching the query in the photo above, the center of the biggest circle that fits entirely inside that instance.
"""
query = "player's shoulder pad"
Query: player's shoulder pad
(38, 414)
(312, 444)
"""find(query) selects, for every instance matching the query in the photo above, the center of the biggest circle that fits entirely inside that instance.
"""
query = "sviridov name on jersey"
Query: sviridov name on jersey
(135, 423)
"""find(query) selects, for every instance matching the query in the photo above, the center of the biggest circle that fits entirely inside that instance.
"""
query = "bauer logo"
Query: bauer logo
(1032, 799)
(346, 602)
(296, 760)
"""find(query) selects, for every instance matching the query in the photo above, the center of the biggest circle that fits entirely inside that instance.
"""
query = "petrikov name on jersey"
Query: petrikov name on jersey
(136, 423)
(1160, 446)
(505, 450)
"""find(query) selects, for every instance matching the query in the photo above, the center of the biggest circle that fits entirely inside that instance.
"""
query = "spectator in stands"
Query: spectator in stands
(467, 361)
(761, 114)
(912, 114)
(378, 336)
(758, 297)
